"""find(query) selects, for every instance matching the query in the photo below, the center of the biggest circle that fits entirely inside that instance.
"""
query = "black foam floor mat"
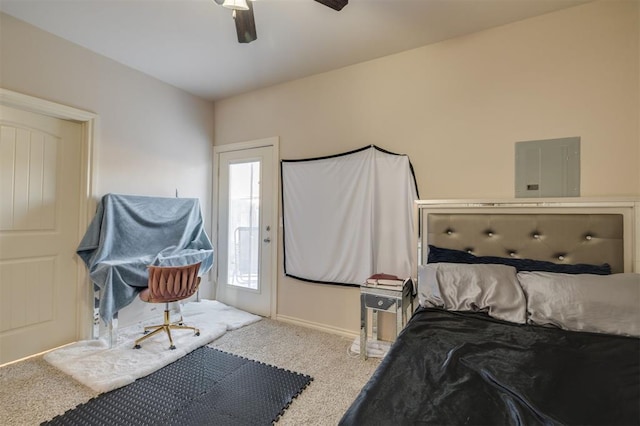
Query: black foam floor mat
(205, 387)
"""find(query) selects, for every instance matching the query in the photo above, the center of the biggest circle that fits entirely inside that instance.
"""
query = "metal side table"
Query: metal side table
(387, 299)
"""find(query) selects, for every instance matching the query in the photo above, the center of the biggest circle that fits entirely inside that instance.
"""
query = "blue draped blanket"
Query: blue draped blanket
(129, 232)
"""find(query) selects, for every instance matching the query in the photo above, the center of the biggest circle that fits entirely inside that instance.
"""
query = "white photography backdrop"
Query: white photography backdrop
(348, 216)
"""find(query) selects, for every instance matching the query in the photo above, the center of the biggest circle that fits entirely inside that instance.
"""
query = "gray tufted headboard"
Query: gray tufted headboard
(561, 238)
(593, 233)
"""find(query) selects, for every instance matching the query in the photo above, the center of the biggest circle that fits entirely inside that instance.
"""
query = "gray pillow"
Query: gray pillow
(459, 287)
(596, 303)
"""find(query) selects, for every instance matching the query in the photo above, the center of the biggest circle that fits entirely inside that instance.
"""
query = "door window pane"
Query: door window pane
(244, 209)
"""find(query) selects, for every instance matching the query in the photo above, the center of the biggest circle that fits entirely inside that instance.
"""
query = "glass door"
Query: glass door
(245, 249)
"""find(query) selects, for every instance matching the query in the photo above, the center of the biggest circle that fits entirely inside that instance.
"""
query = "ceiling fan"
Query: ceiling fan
(243, 16)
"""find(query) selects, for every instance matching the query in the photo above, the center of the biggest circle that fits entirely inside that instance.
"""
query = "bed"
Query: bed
(529, 313)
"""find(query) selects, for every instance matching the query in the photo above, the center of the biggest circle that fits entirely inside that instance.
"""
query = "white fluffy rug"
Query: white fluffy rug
(93, 364)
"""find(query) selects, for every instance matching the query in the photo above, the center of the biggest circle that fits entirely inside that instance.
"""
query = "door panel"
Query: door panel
(40, 163)
(245, 223)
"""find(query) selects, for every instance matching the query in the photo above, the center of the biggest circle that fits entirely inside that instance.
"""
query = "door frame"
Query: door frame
(88, 204)
(273, 142)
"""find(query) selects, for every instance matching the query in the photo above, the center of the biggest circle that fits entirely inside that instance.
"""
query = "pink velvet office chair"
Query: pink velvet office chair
(169, 284)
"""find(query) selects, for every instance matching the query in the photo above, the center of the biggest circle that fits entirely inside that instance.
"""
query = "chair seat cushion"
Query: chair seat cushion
(146, 296)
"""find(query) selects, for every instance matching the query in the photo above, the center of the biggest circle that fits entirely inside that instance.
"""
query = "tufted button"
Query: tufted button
(490, 234)
(588, 237)
(512, 254)
(449, 232)
(561, 257)
(536, 236)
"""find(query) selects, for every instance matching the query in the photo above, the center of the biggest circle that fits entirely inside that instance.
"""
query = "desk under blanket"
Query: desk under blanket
(130, 232)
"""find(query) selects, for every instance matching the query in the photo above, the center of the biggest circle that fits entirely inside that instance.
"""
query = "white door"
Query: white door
(40, 163)
(246, 229)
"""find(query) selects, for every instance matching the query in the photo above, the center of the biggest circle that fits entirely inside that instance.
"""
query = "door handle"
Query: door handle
(267, 240)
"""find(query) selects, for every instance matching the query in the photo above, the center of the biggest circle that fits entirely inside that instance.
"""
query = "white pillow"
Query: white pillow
(585, 302)
(461, 287)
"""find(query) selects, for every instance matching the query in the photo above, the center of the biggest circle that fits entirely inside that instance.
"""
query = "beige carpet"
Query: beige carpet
(32, 391)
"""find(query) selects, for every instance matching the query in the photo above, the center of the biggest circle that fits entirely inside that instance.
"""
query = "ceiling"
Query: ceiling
(192, 44)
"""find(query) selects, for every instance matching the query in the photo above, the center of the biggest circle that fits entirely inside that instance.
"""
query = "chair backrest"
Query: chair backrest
(172, 283)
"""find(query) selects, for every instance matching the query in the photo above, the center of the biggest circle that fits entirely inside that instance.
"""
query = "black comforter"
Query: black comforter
(463, 368)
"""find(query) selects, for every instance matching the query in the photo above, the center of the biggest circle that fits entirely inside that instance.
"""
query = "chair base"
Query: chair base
(167, 326)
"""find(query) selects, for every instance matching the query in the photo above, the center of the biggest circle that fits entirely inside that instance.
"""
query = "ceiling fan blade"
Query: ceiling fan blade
(334, 4)
(246, 25)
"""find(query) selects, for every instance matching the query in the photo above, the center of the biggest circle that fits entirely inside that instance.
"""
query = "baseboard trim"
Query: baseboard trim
(317, 326)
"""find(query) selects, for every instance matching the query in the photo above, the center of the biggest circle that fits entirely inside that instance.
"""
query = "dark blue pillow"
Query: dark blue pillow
(443, 255)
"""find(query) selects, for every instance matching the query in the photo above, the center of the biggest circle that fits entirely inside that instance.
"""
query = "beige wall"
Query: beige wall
(456, 108)
(152, 138)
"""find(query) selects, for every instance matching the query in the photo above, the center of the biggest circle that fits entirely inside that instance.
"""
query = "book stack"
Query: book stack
(386, 280)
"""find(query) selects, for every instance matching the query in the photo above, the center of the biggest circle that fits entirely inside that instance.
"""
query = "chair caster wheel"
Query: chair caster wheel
(145, 332)
(172, 347)
(137, 347)
(198, 333)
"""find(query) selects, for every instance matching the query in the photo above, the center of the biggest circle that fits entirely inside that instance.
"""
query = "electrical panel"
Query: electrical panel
(548, 168)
